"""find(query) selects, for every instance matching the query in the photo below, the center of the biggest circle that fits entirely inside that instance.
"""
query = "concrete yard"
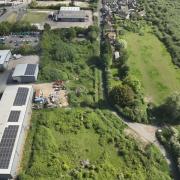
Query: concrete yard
(33, 59)
(15, 41)
(55, 25)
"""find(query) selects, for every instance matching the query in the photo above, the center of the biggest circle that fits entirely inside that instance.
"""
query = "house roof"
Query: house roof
(4, 56)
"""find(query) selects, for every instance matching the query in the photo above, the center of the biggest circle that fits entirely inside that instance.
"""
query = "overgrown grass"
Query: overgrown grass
(151, 63)
(77, 70)
(64, 138)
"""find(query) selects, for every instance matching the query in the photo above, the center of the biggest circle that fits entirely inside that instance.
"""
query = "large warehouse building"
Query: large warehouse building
(5, 56)
(26, 73)
(70, 14)
(15, 112)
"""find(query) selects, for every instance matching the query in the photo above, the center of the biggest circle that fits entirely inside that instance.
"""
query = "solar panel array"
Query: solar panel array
(21, 96)
(14, 116)
(30, 69)
(7, 144)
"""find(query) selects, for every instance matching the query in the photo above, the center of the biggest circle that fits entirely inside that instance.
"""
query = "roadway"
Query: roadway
(15, 8)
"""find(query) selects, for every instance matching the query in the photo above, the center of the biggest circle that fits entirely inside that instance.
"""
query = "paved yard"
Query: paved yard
(55, 25)
(15, 41)
(33, 59)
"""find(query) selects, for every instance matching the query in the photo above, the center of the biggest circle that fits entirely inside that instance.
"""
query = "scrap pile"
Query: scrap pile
(55, 96)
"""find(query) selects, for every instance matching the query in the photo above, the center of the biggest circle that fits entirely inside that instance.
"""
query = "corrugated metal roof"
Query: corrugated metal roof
(4, 56)
(69, 8)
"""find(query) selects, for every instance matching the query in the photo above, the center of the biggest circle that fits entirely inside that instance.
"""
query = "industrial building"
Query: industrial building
(25, 73)
(70, 14)
(15, 112)
(5, 56)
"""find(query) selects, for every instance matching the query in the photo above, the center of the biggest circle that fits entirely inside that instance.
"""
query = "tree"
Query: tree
(92, 33)
(170, 110)
(63, 52)
(123, 71)
(47, 27)
(71, 33)
(122, 95)
(107, 59)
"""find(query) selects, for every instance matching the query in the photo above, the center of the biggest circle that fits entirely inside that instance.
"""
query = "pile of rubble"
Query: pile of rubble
(57, 97)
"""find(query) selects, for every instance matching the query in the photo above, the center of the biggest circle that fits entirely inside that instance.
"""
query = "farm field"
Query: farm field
(151, 63)
(86, 144)
(35, 17)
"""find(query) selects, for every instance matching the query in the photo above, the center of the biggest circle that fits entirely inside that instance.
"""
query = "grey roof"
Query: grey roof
(24, 70)
(72, 14)
(4, 56)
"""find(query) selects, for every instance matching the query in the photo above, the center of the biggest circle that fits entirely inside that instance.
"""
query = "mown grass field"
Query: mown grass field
(151, 63)
(35, 17)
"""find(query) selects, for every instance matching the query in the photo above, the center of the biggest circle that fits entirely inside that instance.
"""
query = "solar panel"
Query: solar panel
(14, 116)
(30, 69)
(21, 97)
(7, 144)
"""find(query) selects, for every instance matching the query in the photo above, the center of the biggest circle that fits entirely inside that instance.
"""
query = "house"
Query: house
(70, 14)
(25, 73)
(5, 56)
(15, 114)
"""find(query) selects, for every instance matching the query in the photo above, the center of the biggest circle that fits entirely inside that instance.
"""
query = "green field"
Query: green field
(151, 63)
(35, 17)
(60, 140)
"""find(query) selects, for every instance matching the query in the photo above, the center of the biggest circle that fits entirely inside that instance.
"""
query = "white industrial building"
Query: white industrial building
(5, 56)
(70, 8)
(25, 73)
(70, 14)
(15, 112)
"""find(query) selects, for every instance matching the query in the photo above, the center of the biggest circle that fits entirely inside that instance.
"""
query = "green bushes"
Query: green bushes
(85, 143)
(169, 111)
(170, 138)
(6, 28)
(128, 100)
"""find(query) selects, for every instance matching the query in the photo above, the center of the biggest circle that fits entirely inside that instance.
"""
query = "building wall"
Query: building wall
(22, 137)
(25, 79)
(6, 62)
(71, 19)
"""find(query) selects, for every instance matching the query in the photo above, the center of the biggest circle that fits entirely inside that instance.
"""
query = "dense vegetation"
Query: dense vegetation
(87, 144)
(169, 111)
(64, 57)
(126, 96)
(6, 28)
(170, 138)
(164, 15)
